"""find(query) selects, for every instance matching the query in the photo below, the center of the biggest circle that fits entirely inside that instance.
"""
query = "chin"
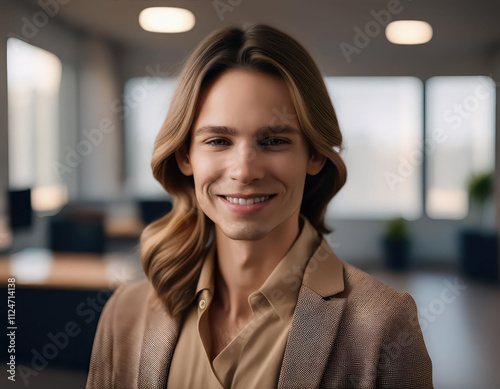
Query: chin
(246, 232)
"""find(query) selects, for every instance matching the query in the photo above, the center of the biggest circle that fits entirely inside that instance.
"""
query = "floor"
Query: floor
(48, 379)
(460, 321)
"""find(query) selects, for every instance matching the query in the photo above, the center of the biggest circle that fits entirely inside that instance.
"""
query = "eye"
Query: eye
(211, 142)
(216, 142)
(277, 139)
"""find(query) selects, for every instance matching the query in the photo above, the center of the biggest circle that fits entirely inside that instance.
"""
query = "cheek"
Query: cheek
(205, 172)
(290, 171)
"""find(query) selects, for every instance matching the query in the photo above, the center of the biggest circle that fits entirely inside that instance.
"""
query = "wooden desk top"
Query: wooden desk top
(42, 268)
(123, 227)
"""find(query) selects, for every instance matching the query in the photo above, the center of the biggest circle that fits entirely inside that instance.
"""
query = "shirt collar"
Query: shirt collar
(206, 279)
(281, 288)
(324, 273)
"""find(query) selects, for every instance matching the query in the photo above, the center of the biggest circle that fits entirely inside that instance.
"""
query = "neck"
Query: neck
(243, 266)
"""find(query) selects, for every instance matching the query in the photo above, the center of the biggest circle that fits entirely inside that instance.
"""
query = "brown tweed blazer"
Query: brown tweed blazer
(355, 332)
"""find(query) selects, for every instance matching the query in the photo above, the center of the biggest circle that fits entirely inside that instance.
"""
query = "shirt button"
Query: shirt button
(202, 304)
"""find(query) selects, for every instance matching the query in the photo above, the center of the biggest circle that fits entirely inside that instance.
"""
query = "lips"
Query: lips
(247, 197)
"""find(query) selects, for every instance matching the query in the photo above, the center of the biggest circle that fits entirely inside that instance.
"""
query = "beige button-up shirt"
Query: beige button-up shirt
(253, 358)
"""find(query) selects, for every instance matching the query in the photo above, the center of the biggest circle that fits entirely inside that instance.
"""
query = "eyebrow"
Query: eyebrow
(224, 130)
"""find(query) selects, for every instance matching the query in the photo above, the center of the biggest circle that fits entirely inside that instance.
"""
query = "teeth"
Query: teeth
(236, 200)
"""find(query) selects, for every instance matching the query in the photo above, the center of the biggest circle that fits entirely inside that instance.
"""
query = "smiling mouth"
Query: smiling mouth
(240, 201)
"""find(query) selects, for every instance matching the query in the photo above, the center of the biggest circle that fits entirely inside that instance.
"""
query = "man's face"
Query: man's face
(255, 159)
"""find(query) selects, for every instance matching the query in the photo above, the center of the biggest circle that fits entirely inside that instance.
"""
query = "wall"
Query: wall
(99, 134)
(4, 157)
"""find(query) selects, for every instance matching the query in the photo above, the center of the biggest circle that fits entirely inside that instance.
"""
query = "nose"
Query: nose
(246, 165)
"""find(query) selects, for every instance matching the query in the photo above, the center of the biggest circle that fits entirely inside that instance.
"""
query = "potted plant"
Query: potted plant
(479, 244)
(396, 245)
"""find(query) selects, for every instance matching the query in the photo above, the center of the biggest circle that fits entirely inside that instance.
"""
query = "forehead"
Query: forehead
(246, 99)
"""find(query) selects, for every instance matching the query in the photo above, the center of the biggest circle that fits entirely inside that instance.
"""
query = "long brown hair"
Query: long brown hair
(173, 247)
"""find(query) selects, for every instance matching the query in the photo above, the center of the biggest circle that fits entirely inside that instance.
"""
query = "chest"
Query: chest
(223, 331)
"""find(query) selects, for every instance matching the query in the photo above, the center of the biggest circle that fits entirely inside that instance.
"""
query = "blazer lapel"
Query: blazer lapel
(315, 321)
(160, 336)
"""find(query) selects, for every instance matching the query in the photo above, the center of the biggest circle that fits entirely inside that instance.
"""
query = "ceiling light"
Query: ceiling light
(166, 19)
(408, 32)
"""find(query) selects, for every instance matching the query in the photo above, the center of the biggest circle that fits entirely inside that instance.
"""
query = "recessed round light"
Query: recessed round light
(408, 32)
(166, 19)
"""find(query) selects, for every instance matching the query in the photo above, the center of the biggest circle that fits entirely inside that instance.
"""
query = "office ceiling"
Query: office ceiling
(461, 27)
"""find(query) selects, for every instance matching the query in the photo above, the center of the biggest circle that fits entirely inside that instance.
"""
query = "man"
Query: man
(267, 304)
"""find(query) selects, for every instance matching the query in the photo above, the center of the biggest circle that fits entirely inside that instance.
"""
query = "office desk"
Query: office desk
(123, 227)
(41, 268)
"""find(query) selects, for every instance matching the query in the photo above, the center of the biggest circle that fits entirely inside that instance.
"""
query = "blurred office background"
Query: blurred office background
(83, 93)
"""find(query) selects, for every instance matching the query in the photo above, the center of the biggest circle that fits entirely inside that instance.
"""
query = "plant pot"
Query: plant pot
(396, 253)
(479, 255)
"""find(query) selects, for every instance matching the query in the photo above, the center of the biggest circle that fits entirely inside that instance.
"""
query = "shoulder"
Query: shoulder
(134, 292)
(119, 334)
(384, 322)
(382, 313)
(130, 294)
(365, 292)
(367, 289)
(126, 307)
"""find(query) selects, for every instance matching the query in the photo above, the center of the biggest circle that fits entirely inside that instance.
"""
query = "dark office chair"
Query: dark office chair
(77, 229)
(20, 211)
(152, 210)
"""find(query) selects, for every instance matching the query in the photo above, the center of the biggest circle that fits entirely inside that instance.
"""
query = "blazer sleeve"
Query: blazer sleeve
(403, 360)
(101, 372)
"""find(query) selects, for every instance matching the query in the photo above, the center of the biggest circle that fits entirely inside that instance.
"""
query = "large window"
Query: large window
(460, 139)
(381, 122)
(34, 78)
(146, 105)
